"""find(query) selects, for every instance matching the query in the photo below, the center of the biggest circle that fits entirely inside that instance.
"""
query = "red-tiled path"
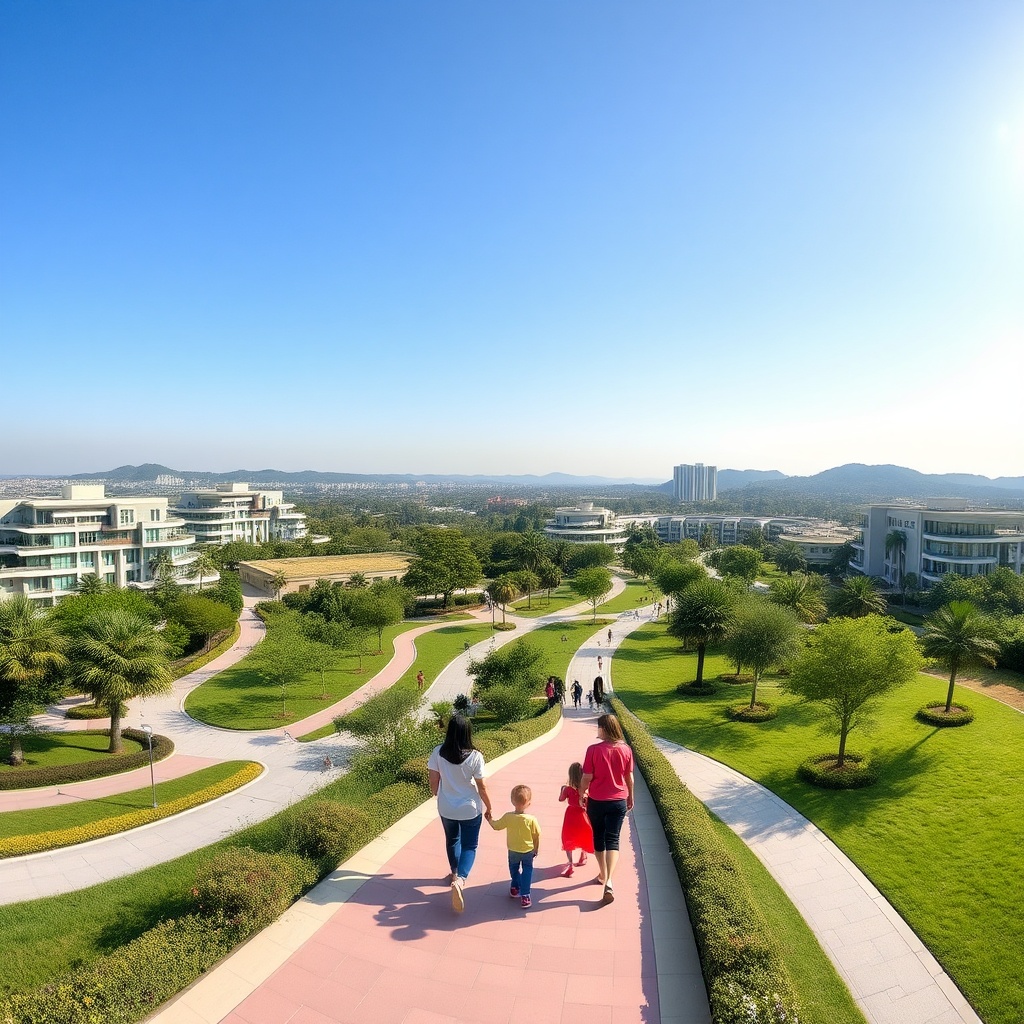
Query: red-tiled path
(395, 953)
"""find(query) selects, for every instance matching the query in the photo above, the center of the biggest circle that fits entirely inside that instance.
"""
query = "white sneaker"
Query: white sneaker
(458, 899)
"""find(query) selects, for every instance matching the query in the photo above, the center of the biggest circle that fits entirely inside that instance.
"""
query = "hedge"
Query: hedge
(743, 967)
(91, 711)
(188, 665)
(820, 770)
(111, 764)
(935, 714)
(18, 846)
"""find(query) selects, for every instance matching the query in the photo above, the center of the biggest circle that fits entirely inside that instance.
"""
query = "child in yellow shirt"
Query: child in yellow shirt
(523, 833)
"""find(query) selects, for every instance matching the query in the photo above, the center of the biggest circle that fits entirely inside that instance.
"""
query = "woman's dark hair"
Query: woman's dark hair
(458, 740)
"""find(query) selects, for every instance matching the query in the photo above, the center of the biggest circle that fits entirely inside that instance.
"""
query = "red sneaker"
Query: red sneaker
(513, 891)
(525, 902)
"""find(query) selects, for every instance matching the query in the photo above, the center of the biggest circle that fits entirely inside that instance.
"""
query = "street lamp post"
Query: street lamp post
(148, 730)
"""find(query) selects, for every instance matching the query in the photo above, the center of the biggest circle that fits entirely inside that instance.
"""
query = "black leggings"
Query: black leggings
(606, 818)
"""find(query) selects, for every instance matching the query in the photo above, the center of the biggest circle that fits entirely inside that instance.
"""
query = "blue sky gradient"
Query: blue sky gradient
(463, 237)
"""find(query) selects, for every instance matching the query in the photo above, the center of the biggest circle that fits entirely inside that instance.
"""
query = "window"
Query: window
(131, 556)
(64, 582)
(109, 577)
(38, 562)
(152, 536)
(62, 562)
(63, 540)
(89, 537)
(154, 515)
(127, 516)
(39, 583)
(131, 576)
(108, 557)
(87, 559)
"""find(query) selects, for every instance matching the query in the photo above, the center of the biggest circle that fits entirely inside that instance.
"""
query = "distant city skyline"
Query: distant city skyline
(459, 238)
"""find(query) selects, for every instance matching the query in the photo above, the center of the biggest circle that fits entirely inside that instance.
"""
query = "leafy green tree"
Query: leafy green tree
(592, 585)
(755, 538)
(857, 597)
(90, 585)
(521, 663)
(533, 551)
(376, 610)
(839, 563)
(445, 563)
(550, 576)
(116, 657)
(896, 544)
(674, 577)
(527, 581)
(202, 617)
(848, 664)
(503, 590)
(358, 581)
(801, 594)
(702, 615)
(32, 654)
(203, 567)
(954, 587)
(277, 583)
(740, 561)
(762, 635)
(590, 556)
(281, 659)
(228, 590)
(642, 559)
(959, 635)
(789, 558)
(911, 587)
(707, 538)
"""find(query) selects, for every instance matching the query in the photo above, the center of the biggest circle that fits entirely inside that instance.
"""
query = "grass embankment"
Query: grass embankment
(540, 604)
(941, 834)
(559, 652)
(433, 651)
(50, 749)
(240, 698)
(636, 595)
(183, 666)
(48, 828)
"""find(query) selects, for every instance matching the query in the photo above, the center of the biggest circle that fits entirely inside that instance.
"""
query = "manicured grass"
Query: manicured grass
(48, 819)
(433, 651)
(558, 652)
(183, 666)
(901, 615)
(941, 834)
(57, 748)
(239, 698)
(635, 595)
(561, 597)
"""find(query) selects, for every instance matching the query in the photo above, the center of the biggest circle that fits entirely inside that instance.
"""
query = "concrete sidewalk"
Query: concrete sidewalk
(378, 943)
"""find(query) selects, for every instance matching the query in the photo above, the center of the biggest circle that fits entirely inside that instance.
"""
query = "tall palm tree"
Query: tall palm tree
(960, 635)
(32, 650)
(203, 566)
(533, 549)
(503, 590)
(858, 597)
(896, 542)
(702, 615)
(90, 584)
(118, 656)
(801, 594)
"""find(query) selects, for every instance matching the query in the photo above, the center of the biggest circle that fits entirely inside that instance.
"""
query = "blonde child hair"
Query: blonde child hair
(521, 795)
(575, 774)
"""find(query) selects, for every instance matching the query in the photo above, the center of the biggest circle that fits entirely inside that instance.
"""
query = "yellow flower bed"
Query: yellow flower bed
(18, 846)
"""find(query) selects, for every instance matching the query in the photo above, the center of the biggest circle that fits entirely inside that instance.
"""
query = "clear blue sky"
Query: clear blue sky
(477, 237)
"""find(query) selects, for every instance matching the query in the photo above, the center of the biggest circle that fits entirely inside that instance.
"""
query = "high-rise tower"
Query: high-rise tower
(695, 483)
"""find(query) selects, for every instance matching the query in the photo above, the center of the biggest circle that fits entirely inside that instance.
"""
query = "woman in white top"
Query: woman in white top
(456, 771)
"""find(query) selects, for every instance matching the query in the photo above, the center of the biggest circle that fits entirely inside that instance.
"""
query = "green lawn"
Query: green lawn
(59, 748)
(635, 595)
(433, 651)
(941, 834)
(558, 652)
(47, 819)
(562, 597)
(238, 698)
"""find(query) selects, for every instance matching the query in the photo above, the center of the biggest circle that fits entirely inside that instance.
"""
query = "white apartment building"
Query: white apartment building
(47, 544)
(818, 544)
(726, 530)
(234, 512)
(585, 524)
(695, 482)
(939, 538)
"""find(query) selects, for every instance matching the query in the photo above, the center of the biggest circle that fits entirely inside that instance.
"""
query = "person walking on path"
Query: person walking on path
(600, 663)
(456, 771)
(598, 691)
(549, 692)
(577, 693)
(607, 784)
(522, 832)
(609, 637)
(576, 831)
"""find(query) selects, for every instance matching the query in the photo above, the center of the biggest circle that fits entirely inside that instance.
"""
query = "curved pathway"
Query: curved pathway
(377, 941)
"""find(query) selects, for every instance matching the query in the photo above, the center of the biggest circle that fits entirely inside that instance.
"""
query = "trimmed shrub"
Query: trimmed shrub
(760, 712)
(442, 710)
(268, 609)
(415, 771)
(821, 771)
(507, 702)
(504, 627)
(935, 714)
(326, 832)
(729, 677)
(393, 802)
(109, 764)
(694, 689)
(91, 711)
(249, 889)
(744, 969)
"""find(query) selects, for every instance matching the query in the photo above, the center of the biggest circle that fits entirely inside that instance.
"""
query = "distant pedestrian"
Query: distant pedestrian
(577, 693)
(419, 680)
(549, 692)
(559, 690)
(598, 691)
(609, 638)
(599, 662)
(590, 699)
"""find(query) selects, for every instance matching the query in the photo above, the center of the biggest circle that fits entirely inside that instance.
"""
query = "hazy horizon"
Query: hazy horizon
(601, 236)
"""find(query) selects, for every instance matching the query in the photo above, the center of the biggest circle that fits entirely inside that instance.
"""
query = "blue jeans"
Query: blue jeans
(461, 838)
(520, 869)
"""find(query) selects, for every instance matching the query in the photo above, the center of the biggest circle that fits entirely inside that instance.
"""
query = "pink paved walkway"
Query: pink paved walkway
(395, 953)
(173, 767)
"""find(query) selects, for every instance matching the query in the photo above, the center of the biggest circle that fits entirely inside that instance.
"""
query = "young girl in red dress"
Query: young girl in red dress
(576, 831)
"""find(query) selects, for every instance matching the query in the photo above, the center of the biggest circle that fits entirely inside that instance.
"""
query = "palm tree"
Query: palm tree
(528, 582)
(858, 597)
(896, 542)
(533, 549)
(801, 594)
(90, 584)
(203, 565)
(31, 651)
(278, 581)
(117, 656)
(959, 634)
(763, 634)
(503, 590)
(549, 575)
(702, 615)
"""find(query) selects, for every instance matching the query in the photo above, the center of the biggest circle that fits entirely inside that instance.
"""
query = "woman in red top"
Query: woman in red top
(607, 784)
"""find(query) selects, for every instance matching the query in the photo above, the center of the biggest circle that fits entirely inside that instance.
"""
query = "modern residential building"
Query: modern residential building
(695, 483)
(301, 574)
(818, 543)
(585, 524)
(726, 530)
(47, 544)
(937, 538)
(234, 512)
